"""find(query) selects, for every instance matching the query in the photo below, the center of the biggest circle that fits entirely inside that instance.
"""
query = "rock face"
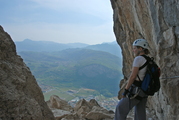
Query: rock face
(20, 96)
(83, 110)
(158, 22)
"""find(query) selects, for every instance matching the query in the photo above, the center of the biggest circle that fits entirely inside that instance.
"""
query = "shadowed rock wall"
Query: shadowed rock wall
(158, 22)
(20, 96)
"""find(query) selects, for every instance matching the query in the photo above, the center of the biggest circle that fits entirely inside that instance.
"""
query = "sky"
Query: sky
(62, 21)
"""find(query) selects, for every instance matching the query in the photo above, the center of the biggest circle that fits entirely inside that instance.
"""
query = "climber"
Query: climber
(140, 47)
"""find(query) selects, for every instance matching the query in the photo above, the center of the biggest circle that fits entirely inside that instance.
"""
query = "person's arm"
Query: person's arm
(132, 77)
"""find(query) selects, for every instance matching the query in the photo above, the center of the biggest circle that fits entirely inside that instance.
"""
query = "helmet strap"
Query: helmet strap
(140, 51)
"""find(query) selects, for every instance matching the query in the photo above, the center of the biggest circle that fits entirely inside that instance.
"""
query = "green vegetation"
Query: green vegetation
(76, 68)
(61, 94)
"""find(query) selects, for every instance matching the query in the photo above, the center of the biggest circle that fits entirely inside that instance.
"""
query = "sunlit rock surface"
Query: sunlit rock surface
(158, 22)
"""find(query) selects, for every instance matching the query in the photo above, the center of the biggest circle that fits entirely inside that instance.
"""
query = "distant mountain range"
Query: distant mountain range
(39, 46)
(75, 66)
(48, 46)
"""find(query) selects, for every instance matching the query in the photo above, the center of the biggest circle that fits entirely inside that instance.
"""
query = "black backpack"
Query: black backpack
(151, 81)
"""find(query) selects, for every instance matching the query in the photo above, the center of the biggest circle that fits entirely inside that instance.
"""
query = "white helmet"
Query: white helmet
(141, 42)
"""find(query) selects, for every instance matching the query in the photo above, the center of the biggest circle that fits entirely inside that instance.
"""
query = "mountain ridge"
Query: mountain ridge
(40, 46)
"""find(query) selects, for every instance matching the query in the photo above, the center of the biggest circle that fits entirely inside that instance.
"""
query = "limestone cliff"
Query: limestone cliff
(20, 96)
(158, 22)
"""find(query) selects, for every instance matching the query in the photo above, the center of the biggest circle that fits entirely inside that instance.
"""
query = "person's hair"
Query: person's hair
(146, 51)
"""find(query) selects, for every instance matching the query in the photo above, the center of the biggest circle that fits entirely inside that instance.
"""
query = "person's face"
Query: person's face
(136, 51)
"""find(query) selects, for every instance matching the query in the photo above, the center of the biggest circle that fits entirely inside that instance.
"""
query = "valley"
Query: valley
(75, 71)
(72, 96)
(76, 68)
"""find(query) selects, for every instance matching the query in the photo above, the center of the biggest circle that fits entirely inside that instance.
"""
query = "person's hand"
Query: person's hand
(125, 93)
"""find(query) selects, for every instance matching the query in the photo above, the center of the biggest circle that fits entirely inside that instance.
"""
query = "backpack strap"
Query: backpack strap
(145, 64)
(147, 61)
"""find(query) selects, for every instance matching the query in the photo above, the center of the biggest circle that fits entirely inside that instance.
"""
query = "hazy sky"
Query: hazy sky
(63, 21)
